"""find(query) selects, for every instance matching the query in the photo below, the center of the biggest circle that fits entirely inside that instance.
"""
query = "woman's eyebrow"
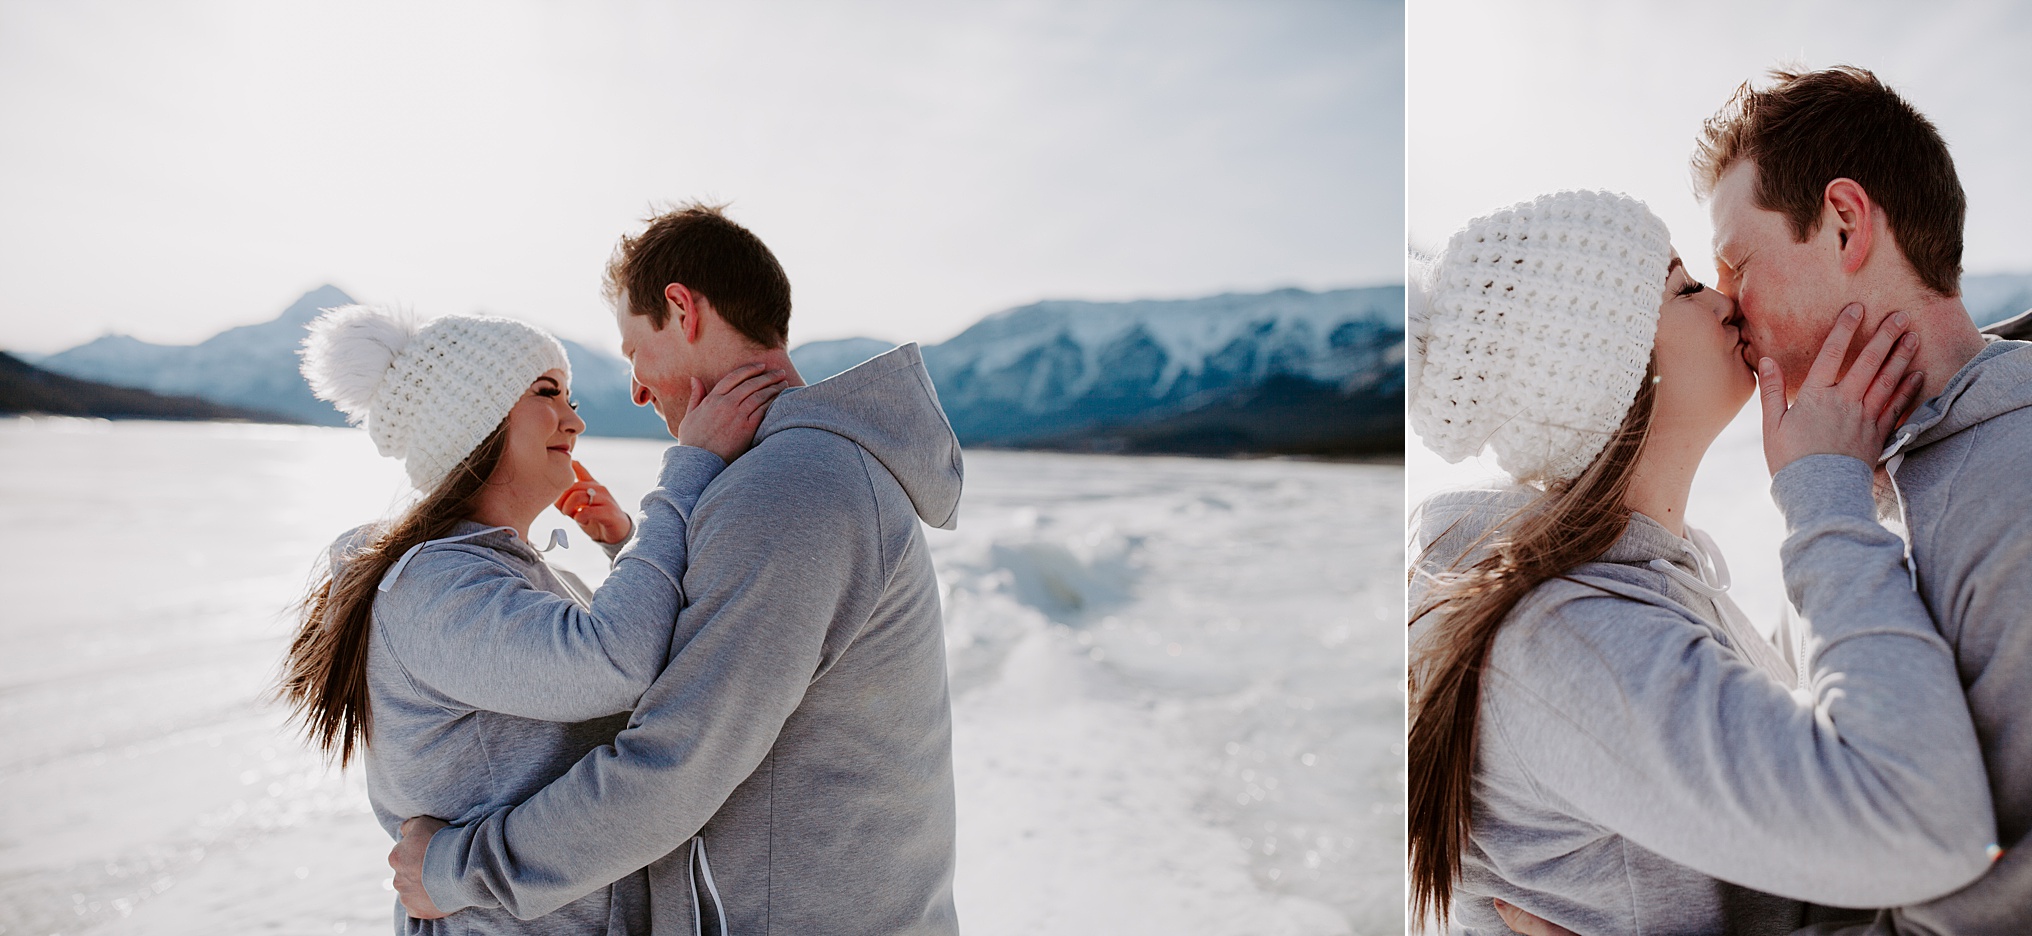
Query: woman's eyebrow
(553, 381)
(1674, 265)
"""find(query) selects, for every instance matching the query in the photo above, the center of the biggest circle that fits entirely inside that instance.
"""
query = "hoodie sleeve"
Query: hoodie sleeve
(1977, 571)
(468, 627)
(788, 567)
(1864, 788)
(1997, 902)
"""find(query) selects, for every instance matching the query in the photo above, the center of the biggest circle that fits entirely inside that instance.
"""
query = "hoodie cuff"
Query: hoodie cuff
(441, 878)
(665, 519)
(687, 469)
(613, 550)
(1818, 487)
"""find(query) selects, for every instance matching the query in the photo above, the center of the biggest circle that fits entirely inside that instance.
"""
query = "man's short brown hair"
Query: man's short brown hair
(1811, 128)
(698, 246)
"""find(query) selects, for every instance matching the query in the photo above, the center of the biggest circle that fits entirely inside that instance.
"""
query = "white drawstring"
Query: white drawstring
(1687, 579)
(702, 871)
(1893, 457)
(1708, 558)
(1714, 582)
(1891, 472)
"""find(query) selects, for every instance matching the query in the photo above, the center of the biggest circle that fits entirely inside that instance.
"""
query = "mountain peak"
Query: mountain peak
(113, 340)
(311, 303)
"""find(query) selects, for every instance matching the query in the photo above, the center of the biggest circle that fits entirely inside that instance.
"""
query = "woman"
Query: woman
(1598, 736)
(440, 645)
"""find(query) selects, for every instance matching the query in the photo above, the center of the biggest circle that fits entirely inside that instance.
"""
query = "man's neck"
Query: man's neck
(772, 358)
(1948, 339)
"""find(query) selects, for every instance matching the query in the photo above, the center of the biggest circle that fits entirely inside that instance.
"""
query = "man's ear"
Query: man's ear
(684, 310)
(1855, 218)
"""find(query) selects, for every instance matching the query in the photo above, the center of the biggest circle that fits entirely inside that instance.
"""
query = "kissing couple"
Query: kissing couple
(746, 727)
(1600, 741)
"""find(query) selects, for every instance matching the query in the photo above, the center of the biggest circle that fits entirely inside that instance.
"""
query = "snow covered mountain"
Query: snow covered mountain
(817, 360)
(1283, 371)
(251, 366)
(255, 366)
(1288, 370)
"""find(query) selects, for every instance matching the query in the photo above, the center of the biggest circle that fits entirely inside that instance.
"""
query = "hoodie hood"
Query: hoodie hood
(1451, 522)
(1996, 381)
(887, 406)
(1648, 564)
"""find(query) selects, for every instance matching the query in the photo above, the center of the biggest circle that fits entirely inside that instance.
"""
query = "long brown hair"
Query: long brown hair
(324, 676)
(1573, 522)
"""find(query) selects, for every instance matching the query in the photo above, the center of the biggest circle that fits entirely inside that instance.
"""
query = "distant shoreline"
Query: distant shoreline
(1395, 458)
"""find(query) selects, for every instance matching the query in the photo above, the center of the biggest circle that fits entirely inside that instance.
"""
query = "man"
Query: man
(790, 771)
(1826, 189)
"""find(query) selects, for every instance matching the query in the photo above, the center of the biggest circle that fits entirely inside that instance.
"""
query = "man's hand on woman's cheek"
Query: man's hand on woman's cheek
(407, 860)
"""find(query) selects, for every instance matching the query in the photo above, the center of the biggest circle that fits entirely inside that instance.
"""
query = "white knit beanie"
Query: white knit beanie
(1530, 333)
(429, 392)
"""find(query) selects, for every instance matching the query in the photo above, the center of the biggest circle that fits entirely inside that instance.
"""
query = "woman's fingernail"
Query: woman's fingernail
(1853, 310)
(1899, 319)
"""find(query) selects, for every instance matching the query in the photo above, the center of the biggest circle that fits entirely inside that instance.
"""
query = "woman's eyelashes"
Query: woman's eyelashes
(553, 391)
(1692, 287)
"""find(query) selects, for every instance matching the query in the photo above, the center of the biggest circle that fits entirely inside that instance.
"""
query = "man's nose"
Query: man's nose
(637, 392)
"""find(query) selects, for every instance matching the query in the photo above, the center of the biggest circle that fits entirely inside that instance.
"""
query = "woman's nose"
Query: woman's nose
(1727, 305)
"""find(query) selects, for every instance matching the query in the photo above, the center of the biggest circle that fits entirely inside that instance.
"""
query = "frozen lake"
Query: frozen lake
(1176, 686)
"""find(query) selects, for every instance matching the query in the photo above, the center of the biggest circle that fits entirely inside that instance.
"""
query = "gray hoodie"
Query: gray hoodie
(489, 673)
(1645, 766)
(802, 726)
(1962, 467)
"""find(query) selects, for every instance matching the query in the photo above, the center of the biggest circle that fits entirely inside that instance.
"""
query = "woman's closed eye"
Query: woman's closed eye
(1692, 287)
(552, 392)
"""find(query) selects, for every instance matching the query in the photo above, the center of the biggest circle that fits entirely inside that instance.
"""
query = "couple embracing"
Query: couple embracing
(746, 727)
(1600, 742)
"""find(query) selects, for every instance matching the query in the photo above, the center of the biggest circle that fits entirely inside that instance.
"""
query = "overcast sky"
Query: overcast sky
(1508, 100)
(171, 170)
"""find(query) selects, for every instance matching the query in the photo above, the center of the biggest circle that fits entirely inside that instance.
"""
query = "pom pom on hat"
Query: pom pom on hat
(429, 393)
(348, 352)
(1533, 329)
